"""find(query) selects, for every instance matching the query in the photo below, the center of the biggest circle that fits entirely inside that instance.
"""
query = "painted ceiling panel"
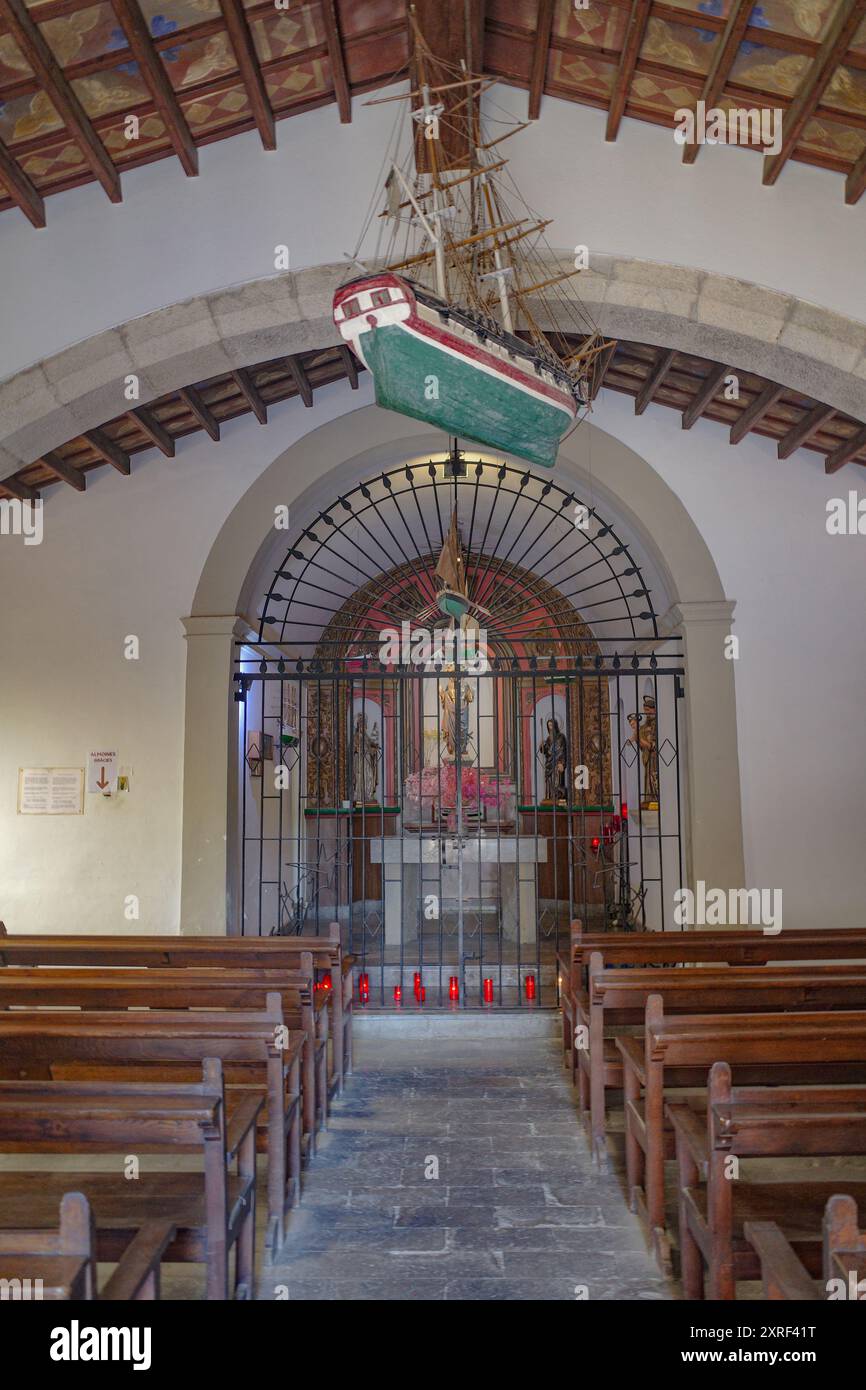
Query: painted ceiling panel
(770, 70)
(107, 92)
(211, 110)
(13, 64)
(584, 73)
(88, 33)
(26, 117)
(829, 138)
(846, 91)
(173, 16)
(677, 46)
(152, 136)
(601, 25)
(203, 60)
(808, 19)
(280, 33)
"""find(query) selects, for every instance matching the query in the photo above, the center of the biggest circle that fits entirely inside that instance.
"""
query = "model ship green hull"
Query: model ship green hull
(440, 372)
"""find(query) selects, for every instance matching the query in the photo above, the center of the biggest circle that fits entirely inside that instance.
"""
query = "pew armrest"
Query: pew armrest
(242, 1119)
(783, 1275)
(140, 1260)
(691, 1129)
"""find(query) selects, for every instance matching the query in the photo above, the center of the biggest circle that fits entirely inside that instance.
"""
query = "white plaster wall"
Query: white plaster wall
(801, 669)
(97, 265)
(125, 558)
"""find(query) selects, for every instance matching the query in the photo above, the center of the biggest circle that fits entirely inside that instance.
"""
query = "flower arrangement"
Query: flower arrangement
(440, 784)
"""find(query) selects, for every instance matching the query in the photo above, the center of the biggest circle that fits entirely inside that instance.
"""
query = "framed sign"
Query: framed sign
(50, 791)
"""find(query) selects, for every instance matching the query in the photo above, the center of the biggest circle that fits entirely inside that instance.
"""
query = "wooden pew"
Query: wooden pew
(316, 955)
(126, 987)
(771, 1048)
(212, 1211)
(61, 1263)
(732, 946)
(844, 1257)
(256, 1056)
(617, 999)
(757, 1123)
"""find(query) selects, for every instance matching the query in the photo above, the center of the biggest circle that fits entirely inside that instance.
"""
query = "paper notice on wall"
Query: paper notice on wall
(102, 772)
(50, 791)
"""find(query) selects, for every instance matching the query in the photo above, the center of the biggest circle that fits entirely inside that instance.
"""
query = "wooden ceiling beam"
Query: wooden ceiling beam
(193, 401)
(705, 393)
(846, 451)
(350, 366)
(337, 59)
(855, 183)
(725, 51)
(804, 429)
(540, 55)
(23, 491)
(20, 188)
(153, 70)
(603, 365)
(109, 451)
(634, 36)
(475, 35)
(754, 413)
(28, 37)
(658, 372)
(66, 471)
(241, 40)
(846, 21)
(156, 433)
(245, 385)
(302, 381)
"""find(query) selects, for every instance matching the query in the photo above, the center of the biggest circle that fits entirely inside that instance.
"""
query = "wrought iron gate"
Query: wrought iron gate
(455, 808)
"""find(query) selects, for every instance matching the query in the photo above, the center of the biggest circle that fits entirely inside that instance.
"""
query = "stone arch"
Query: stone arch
(307, 476)
(779, 336)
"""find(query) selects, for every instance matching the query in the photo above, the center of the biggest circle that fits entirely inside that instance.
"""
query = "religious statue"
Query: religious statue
(644, 736)
(455, 723)
(365, 761)
(554, 752)
(595, 755)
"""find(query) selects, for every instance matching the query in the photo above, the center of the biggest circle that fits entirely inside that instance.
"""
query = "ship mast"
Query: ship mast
(478, 245)
(428, 115)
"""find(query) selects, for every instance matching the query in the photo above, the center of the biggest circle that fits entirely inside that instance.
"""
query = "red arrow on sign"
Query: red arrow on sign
(101, 782)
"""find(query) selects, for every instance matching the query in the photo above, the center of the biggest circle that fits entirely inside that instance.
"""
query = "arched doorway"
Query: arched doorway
(454, 793)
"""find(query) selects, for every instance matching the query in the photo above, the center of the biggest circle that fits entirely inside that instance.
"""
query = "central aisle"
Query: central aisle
(517, 1211)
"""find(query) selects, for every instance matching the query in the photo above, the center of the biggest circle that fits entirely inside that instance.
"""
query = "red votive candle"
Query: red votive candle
(422, 995)
(530, 986)
(364, 988)
(624, 810)
(488, 991)
(453, 987)
(398, 994)
(595, 844)
(326, 981)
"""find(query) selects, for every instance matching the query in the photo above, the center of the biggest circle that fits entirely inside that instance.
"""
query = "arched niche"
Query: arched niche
(691, 606)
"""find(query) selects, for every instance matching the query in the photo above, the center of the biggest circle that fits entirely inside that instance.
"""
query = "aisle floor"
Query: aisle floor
(517, 1210)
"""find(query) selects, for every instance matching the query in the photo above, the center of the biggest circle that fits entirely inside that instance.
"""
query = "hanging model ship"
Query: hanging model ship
(464, 323)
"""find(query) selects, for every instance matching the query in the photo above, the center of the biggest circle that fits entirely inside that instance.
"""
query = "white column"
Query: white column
(715, 847)
(210, 775)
